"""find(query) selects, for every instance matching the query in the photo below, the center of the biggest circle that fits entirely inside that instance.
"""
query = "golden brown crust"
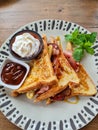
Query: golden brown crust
(36, 85)
(14, 93)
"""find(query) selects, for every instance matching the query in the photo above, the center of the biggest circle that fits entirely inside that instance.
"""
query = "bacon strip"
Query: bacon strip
(56, 50)
(73, 63)
(61, 96)
(42, 90)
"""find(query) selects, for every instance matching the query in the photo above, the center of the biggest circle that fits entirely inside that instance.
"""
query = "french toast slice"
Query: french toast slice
(65, 75)
(86, 86)
(41, 73)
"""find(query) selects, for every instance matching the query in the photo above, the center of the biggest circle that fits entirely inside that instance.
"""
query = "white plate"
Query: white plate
(60, 115)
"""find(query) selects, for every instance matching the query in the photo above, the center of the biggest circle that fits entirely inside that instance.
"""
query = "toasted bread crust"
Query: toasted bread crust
(36, 85)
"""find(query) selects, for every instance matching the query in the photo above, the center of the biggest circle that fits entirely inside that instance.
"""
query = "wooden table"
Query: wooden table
(16, 13)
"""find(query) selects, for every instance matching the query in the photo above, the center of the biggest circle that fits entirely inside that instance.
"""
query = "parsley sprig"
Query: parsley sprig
(82, 43)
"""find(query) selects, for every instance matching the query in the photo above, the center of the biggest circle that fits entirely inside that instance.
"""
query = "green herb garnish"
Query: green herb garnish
(82, 42)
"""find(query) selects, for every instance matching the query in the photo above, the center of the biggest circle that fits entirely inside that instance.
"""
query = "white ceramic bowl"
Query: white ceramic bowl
(16, 61)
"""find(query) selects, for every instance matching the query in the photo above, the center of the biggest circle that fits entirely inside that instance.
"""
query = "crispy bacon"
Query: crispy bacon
(56, 49)
(57, 67)
(62, 95)
(55, 59)
(42, 90)
(73, 63)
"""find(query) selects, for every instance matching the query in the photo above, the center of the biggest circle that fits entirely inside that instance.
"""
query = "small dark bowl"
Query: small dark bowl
(35, 35)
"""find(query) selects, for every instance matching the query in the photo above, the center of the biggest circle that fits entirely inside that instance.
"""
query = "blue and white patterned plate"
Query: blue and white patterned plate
(60, 115)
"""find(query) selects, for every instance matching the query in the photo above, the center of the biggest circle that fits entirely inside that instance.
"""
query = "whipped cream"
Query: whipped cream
(25, 45)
